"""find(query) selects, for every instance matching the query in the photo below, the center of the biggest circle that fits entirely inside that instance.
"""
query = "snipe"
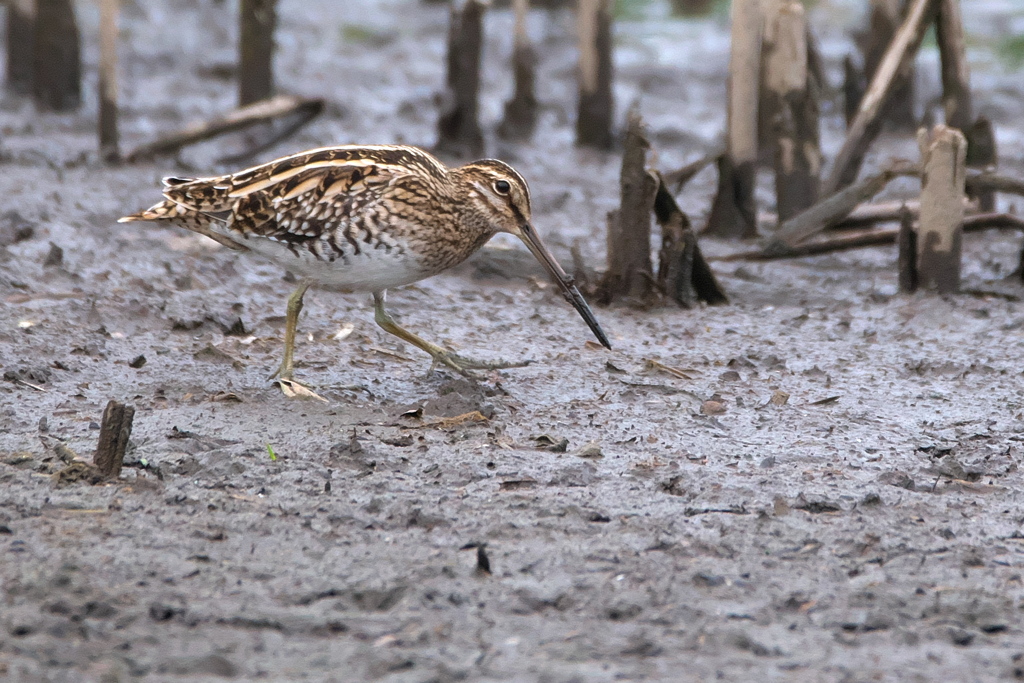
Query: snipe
(364, 219)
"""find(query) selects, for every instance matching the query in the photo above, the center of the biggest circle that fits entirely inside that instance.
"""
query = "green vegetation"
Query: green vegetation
(355, 34)
(1011, 51)
(270, 450)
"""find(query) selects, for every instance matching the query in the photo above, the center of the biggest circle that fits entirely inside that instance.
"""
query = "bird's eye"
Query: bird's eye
(502, 187)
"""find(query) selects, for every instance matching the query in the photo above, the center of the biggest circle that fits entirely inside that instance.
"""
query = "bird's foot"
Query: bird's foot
(292, 389)
(464, 366)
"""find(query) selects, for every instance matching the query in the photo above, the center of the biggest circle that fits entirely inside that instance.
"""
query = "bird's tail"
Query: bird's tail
(188, 218)
(165, 210)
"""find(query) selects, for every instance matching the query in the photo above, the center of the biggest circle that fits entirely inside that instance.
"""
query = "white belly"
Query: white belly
(372, 270)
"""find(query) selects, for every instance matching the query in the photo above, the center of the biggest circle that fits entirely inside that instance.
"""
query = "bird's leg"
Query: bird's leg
(291, 323)
(288, 386)
(439, 354)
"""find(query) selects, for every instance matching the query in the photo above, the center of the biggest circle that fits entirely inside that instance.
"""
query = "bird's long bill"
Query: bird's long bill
(565, 283)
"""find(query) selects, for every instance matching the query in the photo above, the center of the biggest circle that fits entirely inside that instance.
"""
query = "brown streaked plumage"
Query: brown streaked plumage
(365, 218)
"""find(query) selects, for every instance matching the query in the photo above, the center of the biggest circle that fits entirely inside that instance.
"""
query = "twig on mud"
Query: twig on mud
(449, 422)
(392, 354)
(734, 510)
(652, 364)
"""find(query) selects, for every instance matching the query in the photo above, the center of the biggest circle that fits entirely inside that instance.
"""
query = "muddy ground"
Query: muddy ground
(637, 524)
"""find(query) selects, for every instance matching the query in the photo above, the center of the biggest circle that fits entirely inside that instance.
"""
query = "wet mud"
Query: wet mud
(818, 482)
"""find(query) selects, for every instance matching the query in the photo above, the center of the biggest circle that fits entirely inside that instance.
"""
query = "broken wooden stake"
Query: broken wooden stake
(956, 79)
(906, 261)
(629, 272)
(853, 88)
(521, 111)
(108, 80)
(596, 107)
(683, 273)
(280, 107)
(734, 212)
(21, 19)
(981, 154)
(789, 108)
(940, 237)
(257, 20)
(56, 57)
(115, 429)
(458, 127)
(897, 61)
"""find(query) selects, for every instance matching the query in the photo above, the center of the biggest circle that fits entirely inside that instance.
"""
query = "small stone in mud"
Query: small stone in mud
(483, 562)
(815, 504)
(961, 637)
(707, 580)
(551, 443)
(14, 228)
(401, 441)
(897, 478)
(33, 375)
(871, 500)
(780, 507)
(591, 450)
(730, 376)
(712, 407)
(779, 398)
(137, 362)
(54, 258)
(611, 367)
(162, 612)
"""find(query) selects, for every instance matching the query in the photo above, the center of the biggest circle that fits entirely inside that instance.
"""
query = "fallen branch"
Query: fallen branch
(873, 238)
(986, 180)
(868, 215)
(833, 209)
(678, 178)
(278, 107)
(867, 123)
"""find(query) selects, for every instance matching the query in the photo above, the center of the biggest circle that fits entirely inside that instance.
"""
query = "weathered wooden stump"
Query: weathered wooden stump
(629, 273)
(115, 429)
(458, 126)
(596, 108)
(789, 106)
(21, 19)
(982, 154)
(734, 212)
(683, 273)
(940, 236)
(906, 242)
(257, 21)
(853, 88)
(108, 80)
(521, 111)
(56, 57)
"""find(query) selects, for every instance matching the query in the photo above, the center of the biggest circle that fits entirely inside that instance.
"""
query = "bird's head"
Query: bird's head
(498, 193)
